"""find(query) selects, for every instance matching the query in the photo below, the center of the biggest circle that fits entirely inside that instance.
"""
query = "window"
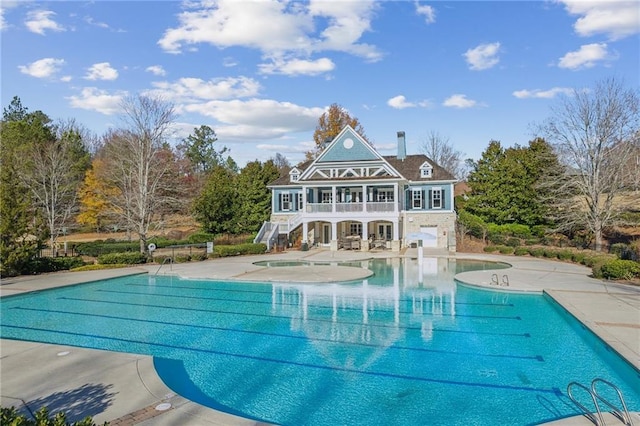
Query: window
(285, 202)
(294, 174)
(326, 197)
(355, 229)
(436, 198)
(416, 198)
(299, 201)
(385, 196)
(426, 170)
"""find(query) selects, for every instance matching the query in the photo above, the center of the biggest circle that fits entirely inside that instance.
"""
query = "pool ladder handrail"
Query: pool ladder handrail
(495, 281)
(598, 420)
(170, 259)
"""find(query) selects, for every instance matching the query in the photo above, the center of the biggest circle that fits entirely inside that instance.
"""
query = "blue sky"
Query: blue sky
(261, 73)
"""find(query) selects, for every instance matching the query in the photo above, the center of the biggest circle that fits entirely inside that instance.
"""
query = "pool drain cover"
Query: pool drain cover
(163, 407)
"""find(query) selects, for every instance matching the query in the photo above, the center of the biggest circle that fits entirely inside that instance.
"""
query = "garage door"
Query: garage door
(429, 236)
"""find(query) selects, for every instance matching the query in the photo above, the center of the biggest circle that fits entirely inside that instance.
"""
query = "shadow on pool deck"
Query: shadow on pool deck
(125, 390)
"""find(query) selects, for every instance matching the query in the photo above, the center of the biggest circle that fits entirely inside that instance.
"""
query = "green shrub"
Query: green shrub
(532, 241)
(577, 257)
(201, 237)
(129, 258)
(240, 249)
(513, 242)
(96, 267)
(521, 251)
(182, 258)
(505, 249)
(490, 249)
(536, 252)
(619, 269)
(564, 254)
(11, 417)
(53, 264)
(475, 225)
(549, 253)
(99, 247)
(496, 238)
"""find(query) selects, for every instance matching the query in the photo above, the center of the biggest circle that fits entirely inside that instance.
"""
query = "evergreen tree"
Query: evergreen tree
(215, 207)
(254, 198)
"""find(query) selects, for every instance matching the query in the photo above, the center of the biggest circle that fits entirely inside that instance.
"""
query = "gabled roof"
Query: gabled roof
(353, 158)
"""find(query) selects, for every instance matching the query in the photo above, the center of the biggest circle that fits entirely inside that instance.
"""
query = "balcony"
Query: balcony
(369, 207)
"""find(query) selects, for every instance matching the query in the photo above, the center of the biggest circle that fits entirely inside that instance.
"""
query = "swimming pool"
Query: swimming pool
(387, 350)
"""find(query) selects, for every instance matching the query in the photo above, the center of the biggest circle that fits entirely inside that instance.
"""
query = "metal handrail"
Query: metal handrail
(163, 262)
(622, 415)
(598, 421)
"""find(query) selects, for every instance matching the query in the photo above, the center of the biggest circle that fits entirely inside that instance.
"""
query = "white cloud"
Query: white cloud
(258, 118)
(277, 29)
(615, 19)
(586, 57)
(93, 99)
(4, 6)
(399, 102)
(428, 11)
(300, 149)
(101, 71)
(483, 56)
(229, 62)
(298, 67)
(459, 101)
(42, 68)
(156, 70)
(542, 94)
(38, 21)
(188, 89)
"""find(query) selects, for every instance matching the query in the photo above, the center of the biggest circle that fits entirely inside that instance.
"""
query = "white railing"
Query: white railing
(349, 207)
(381, 207)
(373, 207)
(319, 208)
(295, 221)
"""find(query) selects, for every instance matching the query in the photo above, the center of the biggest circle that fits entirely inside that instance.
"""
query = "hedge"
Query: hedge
(53, 264)
(129, 258)
(618, 269)
(11, 416)
(240, 249)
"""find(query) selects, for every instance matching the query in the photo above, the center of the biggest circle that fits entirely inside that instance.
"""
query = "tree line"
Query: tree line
(58, 175)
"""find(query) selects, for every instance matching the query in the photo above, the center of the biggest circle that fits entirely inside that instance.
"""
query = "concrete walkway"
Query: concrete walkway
(125, 390)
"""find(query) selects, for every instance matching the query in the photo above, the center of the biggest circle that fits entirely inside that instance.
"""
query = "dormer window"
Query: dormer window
(294, 175)
(426, 170)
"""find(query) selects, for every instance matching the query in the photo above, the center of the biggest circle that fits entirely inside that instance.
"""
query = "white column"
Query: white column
(365, 198)
(333, 199)
(305, 231)
(395, 199)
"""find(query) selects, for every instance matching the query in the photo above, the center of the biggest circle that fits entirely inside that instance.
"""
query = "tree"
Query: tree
(439, 149)
(254, 198)
(138, 166)
(281, 162)
(330, 124)
(199, 149)
(594, 132)
(94, 196)
(216, 205)
(18, 220)
(53, 171)
(504, 183)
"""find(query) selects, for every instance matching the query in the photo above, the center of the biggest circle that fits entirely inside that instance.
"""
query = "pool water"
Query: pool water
(406, 346)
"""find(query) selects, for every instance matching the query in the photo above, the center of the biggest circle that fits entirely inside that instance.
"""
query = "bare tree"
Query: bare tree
(594, 133)
(439, 149)
(54, 171)
(141, 168)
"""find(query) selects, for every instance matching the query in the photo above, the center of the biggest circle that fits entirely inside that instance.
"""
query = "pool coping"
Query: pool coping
(572, 287)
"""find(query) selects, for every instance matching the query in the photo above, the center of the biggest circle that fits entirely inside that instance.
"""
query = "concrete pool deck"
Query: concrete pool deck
(124, 389)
